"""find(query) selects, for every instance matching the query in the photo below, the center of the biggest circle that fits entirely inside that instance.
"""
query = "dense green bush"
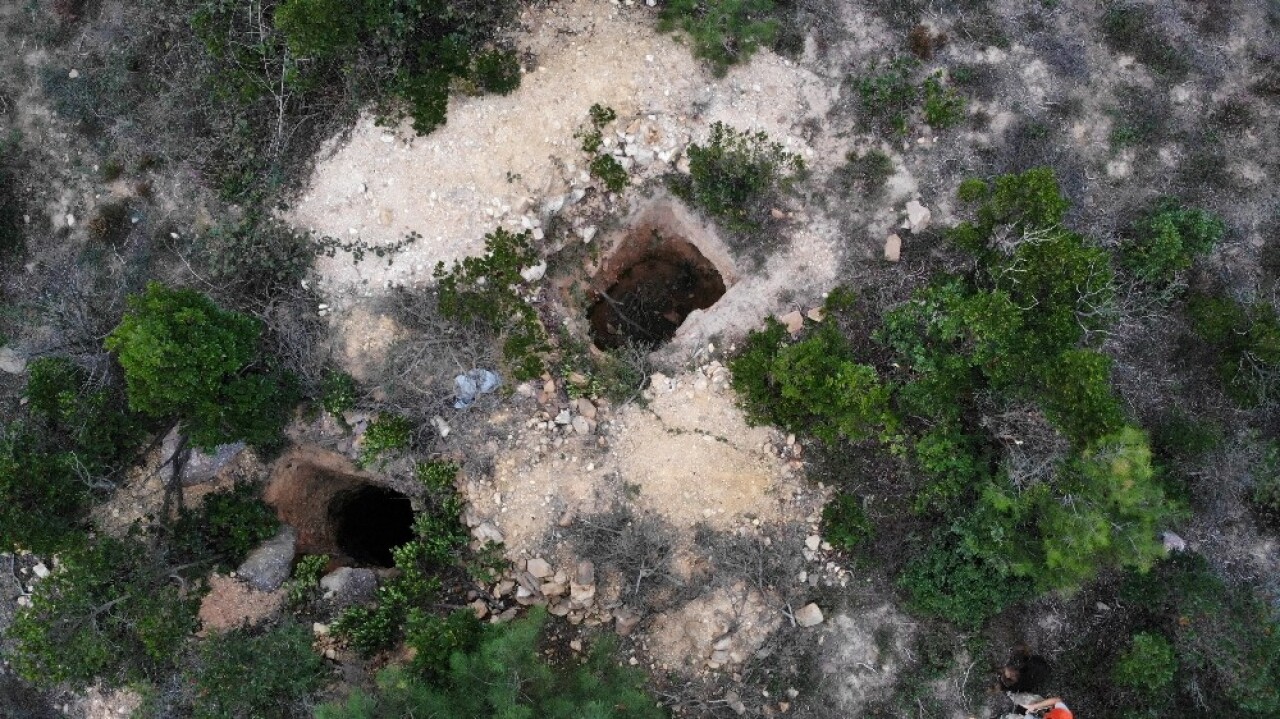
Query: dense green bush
(723, 32)
(814, 385)
(844, 523)
(1167, 240)
(304, 586)
(737, 176)
(241, 675)
(1077, 396)
(949, 581)
(386, 433)
(943, 106)
(75, 439)
(184, 357)
(434, 640)
(256, 256)
(225, 527)
(503, 675)
(1225, 639)
(1247, 340)
(484, 288)
(1147, 666)
(109, 612)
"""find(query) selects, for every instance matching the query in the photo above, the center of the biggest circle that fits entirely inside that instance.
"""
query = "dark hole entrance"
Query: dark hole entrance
(368, 522)
(654, 294)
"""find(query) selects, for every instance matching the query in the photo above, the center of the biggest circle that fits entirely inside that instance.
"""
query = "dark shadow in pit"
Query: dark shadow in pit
(654, 293)
(369, 522)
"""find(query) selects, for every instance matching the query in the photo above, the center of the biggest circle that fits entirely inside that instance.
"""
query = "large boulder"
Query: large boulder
(268, 566)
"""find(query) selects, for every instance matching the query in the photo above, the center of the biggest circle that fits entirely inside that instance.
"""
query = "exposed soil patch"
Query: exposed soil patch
(338, 510)
(653, 293)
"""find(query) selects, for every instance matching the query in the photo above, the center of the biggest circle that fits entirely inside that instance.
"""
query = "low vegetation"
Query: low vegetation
(497, 670)
(738, 177)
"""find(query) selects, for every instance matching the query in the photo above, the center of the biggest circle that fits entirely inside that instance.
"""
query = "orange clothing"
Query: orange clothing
(1059, 712)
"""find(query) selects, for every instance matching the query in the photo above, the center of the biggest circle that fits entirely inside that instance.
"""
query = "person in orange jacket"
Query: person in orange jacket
(1057, 709)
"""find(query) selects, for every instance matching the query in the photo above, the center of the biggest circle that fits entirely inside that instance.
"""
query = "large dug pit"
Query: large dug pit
(657, 279)
(338, 512)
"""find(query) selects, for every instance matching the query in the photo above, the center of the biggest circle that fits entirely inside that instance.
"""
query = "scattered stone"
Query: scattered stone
(576, 645)
(12, 362)
(40, 570)
(349, 586)
(487, 532)
(734, 702)
(538, 567)
(793, 320)
(202, 467)
(268, 566)
(812, 541)
(625, 620)
(586, 408)
(817, 314)
(442, 427)
(319, 629)
(581, 425)
(777, 214)
(893, 248)
(73, 74)
(587, 234)
(564, 417)
(918, 216)
(534, 273)
(1173, 543)
(809, 615)
(566, 519)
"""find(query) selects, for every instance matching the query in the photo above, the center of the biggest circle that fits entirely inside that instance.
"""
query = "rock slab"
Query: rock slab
(268, 566)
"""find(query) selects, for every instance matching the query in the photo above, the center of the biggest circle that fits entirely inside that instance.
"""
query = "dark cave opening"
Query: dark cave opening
(369, 522)
(654, 294)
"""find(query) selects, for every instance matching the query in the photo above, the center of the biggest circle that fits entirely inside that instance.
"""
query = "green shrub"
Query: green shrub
(1148, 666)
(844, 523)
(1077, 396)
(1105, 509)
(497, 71)
(736, 176)
(504, 675)
(723, 32)
(1134, 29)
(437, 476)
(813, 385)
(226, 526)
(304, 587)
(943, 106)
(76, 438)
(483, 289)
(1225, 638)
(867, 172)
(183, 356)
(950, 582)
(888, 95)
(338, 393)
(270, 675)
(609, 171)
(319, 29)
(256, 256)
(1167, 240)
(434, 640)
(1247, 340)
(386, 433)
(108, 613)
(953, 465)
